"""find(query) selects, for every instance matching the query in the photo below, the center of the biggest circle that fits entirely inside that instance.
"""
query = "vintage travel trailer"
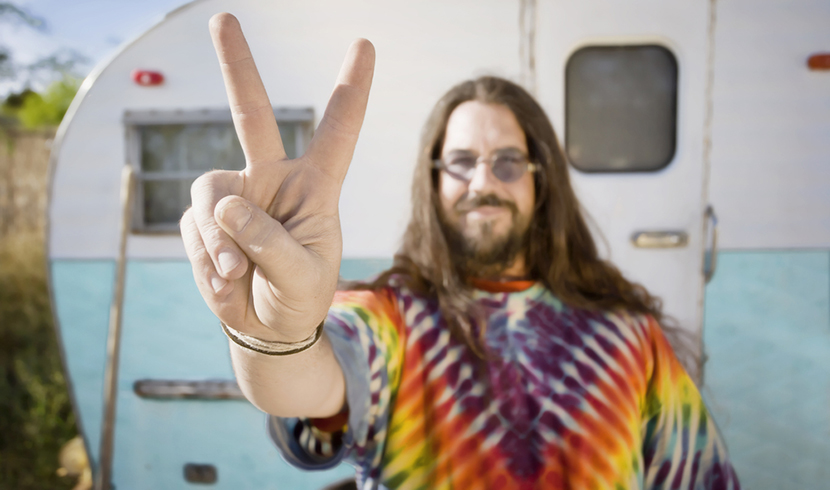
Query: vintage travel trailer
(698, 133)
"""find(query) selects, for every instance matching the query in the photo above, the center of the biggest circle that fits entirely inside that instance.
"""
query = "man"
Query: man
(498, 352)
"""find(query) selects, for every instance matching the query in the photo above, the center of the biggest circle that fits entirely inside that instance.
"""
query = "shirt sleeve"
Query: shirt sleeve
(682, 447)
(366, 332)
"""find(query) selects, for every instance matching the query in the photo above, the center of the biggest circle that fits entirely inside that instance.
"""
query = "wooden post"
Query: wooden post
(103, 478)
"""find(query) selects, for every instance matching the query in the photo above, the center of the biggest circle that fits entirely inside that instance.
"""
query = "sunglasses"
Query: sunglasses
(507, 166)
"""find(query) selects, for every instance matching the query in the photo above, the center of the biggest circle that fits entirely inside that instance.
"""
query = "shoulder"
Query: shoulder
(663, 352)
(633, 328)
(631, 338)
(391, 301)
(365, 302)
(366, 292)
(394, 292)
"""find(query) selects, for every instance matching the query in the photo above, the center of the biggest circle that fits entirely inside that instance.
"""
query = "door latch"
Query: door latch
(660, 239)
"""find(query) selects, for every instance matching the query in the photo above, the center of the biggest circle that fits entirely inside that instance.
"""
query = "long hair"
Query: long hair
(561, 252)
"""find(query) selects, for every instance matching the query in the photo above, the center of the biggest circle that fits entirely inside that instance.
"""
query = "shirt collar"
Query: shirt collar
(510, 286)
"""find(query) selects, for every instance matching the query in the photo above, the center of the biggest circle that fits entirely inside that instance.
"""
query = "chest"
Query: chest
(552, 372)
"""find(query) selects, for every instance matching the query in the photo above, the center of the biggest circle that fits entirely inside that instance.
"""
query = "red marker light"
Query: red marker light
(147, 78)
(820, 61)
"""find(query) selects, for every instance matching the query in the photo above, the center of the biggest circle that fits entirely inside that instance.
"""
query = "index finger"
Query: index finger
(251, 110)
(333, 144)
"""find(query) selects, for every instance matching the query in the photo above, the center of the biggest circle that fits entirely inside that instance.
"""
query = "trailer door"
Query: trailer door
(625, 84)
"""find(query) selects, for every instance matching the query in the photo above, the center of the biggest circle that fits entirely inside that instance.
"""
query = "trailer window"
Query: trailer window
(621, 108)
(170, 153)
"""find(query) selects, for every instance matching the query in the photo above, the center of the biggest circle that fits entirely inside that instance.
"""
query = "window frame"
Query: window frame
(134, 120)
(675, 107)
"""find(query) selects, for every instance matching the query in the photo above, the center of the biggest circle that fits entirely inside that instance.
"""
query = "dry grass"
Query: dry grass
(36, 418)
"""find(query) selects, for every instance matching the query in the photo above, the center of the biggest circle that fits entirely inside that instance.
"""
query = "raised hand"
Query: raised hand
(265, 242)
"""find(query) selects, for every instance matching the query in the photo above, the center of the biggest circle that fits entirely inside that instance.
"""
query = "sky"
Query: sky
(93, 28)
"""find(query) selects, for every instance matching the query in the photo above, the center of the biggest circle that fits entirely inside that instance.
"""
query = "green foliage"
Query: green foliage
(39, 110)
(36, 417)
(63, 64)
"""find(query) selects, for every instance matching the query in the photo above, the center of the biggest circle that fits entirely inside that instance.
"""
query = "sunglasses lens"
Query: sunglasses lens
(508, 168)
(461, 167)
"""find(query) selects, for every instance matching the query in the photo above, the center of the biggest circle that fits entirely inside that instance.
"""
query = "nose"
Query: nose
(483, 178)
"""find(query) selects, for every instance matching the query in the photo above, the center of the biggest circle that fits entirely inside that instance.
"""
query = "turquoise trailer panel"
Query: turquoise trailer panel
(82, 292)
(767, 333)
(168, 333)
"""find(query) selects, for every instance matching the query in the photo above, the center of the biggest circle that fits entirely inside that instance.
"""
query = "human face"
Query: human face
(490, 217)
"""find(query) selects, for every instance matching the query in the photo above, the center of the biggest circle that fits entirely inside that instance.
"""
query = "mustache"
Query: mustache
(463, 205)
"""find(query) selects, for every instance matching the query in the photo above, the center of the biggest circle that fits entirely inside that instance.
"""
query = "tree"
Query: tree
(57, 71)
(46, 109)
(10, 13)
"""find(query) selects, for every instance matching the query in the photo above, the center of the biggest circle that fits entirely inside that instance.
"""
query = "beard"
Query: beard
(479, 251)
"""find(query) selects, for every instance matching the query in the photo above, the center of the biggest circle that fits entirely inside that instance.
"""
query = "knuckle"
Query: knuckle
(262, 238)
(339, 126)
(188, 219)
(205, 184)
(205, 269)
(266, 239)
(190, 234)
(200, 182)
(214, 237)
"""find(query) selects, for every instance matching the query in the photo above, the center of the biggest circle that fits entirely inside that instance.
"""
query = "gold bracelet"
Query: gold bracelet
(272, 347)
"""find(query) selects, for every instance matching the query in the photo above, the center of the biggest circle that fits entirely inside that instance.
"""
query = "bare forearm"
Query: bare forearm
(306, 384)
(265, 242)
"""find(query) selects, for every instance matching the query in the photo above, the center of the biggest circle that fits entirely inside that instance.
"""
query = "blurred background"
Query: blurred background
(698, 133)
(46, 50)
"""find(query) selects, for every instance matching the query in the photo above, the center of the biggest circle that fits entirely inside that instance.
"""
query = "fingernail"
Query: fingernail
(217, 283)
(227, 261)
(236, 216)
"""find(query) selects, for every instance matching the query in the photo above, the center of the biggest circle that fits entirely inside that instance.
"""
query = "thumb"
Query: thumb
(262, 238)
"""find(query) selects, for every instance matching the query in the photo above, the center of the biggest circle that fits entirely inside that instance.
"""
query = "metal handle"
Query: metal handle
(710, 255)
(212, 389)
(660, 239)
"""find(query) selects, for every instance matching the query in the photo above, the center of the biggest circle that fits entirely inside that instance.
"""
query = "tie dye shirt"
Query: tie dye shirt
(571, 399)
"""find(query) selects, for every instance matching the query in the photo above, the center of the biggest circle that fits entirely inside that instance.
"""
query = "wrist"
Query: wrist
(272, 347)
(284, 333)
